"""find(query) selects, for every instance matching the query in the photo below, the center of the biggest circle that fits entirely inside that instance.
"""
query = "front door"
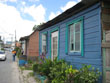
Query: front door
(106, 57)
(54, 45)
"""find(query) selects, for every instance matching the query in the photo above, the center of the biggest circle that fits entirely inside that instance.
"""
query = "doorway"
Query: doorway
(54, 45)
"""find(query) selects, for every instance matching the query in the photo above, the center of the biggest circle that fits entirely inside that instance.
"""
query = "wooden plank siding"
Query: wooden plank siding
(92, 38)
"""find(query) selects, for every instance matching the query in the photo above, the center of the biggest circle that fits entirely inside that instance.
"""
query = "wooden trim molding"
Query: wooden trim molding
(106, 45)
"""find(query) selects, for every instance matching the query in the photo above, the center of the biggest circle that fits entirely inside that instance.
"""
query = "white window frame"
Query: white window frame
(74, 37)
(54, 34)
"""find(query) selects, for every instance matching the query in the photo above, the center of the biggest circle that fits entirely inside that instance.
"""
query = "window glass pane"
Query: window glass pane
(77, 42)
(77, 27)
(44, 43)
(71, 37)
(44, 37)
(55, 47)
(77, 36)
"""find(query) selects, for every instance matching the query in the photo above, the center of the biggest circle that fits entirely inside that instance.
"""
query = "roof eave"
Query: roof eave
(68, 13)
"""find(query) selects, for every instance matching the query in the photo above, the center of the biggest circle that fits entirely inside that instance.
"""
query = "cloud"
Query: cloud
(13, 0)
(79, 0)
(10, 20)
(68, 5)
(23, 3)
(37, 12)
(53, 15)
(33, 0)
(8, 0)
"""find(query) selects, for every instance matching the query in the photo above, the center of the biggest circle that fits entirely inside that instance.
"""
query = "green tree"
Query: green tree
(37, 26)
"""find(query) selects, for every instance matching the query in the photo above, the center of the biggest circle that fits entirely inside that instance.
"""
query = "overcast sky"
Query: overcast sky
(22, 15)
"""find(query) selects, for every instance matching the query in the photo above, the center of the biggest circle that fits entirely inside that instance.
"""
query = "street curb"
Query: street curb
(20, 73)
(23, 77)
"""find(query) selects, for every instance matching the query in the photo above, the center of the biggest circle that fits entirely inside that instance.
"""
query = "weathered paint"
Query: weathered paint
(91, 39)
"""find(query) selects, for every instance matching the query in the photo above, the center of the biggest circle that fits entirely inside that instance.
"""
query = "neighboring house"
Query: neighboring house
(30, 45)
(33, 50)
(24, 44)
(76, 35)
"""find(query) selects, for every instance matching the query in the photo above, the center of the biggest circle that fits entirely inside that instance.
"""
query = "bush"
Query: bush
(2, 49)
(18, 51)
(53, 70)
(87, 74)
(35, 67)
(71, 74)
(44, 67)
(30, 62)
(57, 71)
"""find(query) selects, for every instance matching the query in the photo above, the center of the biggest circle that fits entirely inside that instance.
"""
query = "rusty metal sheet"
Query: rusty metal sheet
(106, 10)
(106, 18)
(106, 25)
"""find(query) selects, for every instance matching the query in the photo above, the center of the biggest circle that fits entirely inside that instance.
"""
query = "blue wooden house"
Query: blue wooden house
(80, 35)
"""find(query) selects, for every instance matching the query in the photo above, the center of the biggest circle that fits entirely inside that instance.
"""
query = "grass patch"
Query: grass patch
(22, 68)
(31, 74)
(37, 80)
(28, 67)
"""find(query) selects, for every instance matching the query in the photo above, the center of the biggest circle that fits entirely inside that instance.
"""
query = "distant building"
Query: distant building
(8, 44)
(24, 44)
(30, 45)
(1, 43)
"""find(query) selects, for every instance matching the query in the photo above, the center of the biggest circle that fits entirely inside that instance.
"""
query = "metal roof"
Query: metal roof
(68, 13)
(24, 38)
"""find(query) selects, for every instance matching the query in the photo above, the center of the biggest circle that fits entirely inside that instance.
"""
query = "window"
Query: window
(44, 43)
(75, 37)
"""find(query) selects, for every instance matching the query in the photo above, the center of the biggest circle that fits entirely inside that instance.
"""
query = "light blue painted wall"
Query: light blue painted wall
(92, 38)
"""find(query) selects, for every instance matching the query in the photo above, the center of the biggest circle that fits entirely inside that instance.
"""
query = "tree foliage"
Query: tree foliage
(37, 26)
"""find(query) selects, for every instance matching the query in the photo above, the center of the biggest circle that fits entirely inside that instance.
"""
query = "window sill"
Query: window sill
(74, 53)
